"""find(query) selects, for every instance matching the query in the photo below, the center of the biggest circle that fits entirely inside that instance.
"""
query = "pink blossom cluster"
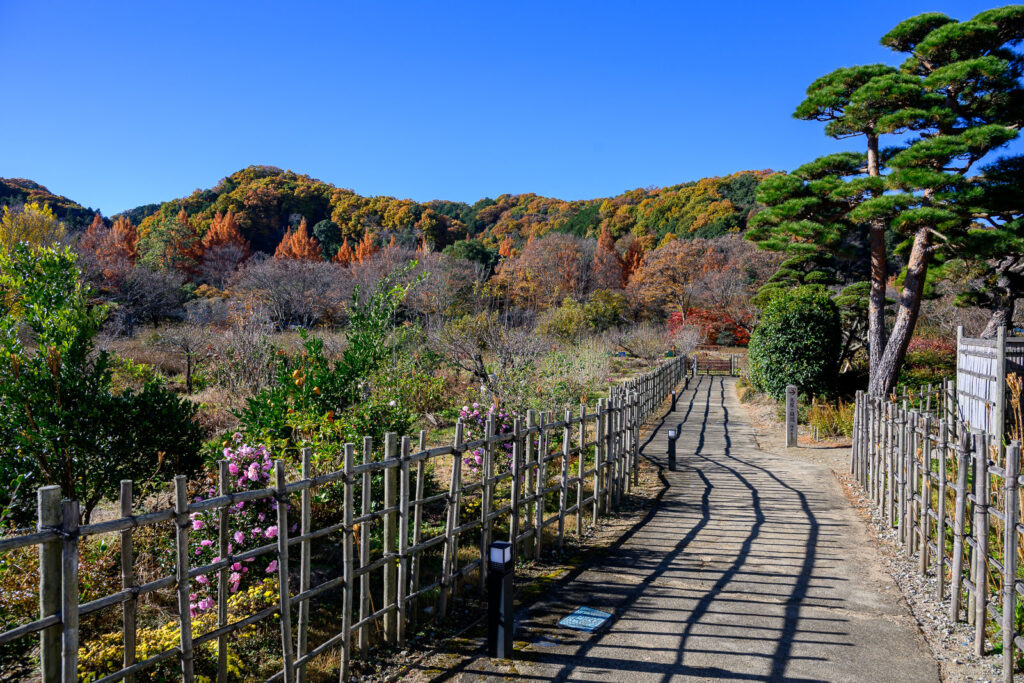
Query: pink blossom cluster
(251, 524)
(474, 418)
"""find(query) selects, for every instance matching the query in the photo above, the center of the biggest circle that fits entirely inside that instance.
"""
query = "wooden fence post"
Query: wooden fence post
(599, 440)
(563, 493)
(450, 549)
(1012, 514)
(348, 502)
(539, 484)
(926, 493)
(959, 518)
(981, 485)
(128, 608)
(486, 498)
(363, 637)
(417, 526)
(305, 557)
(49, 517)
(182, 523)
(284, 591)
(531, 455)
(390, 593)
(581, 465)
(517, 459)
(403, 539)
(940, 516)
(223, 542)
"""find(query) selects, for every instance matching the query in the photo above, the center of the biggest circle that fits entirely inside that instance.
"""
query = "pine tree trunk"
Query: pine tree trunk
(879, 274)
(883, 379)
(1001, 316)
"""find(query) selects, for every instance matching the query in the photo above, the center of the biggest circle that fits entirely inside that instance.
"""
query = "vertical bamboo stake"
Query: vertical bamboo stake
(598, 443)
(531, 455)
(49, 517)
(959, 517)
(902, 455)
(284, 589)
(417, 527)
(981, 544)
(305, 557)
(893, 438)
(363, 637)
(940, 516)
(581, 464)
(69, 591)
(129, 606)
(447, 568)
(347, 564)
(926, 493)
(486, 499)
(184, 609)
(517, 459)
(223, 540)
(563, 498)
(1010, 558)
(540, 484)
(390, 593)
(636, 433)
(403, 539)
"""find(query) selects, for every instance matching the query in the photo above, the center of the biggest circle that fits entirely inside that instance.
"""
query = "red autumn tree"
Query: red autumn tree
(366, 247)
(505, 247)
(607, 269)
(632, 261)
(345, 255)
(224, 231)
(299, 244)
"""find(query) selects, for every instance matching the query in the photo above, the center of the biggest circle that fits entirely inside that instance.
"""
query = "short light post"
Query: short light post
(673, 399)
(500, 610)
(672, 435)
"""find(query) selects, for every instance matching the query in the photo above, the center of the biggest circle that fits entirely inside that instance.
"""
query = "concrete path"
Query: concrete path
(750, 567)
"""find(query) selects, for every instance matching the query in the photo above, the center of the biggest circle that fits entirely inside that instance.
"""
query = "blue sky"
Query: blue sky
(120, 104)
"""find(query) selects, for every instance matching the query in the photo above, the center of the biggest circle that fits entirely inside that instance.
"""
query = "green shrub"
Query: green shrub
(797, 342)
(565, 323)
(61, 420)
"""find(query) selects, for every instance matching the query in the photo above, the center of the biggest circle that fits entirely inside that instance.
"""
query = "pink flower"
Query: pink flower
(272, 567)
(205, 604)
(236, 566)
(256, 532)
(235, 577)
(202, 579)
(271, 532)
(232, 468)
(239, 537)
(197, 524)
(206, 542)
(254, 471)
(234, 588)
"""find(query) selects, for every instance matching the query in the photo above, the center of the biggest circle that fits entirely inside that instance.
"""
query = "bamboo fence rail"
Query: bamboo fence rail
(562, 466)
(954, 497)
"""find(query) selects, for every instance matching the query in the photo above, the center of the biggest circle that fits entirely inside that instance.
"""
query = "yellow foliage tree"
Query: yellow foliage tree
(33, 223)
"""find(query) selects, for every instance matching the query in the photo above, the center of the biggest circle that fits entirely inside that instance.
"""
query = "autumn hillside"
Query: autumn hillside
(267, 201)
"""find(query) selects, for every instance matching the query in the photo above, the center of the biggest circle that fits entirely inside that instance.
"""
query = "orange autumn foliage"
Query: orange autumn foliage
(299, 244)
(345, 255)
(224, 231)
(366, 248)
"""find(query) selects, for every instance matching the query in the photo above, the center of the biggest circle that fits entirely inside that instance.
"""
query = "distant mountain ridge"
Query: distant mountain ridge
(267, 201)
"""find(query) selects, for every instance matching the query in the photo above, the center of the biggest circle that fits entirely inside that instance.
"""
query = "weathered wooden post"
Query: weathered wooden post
(363, 636)
(390, 531)
(531, 451)
(486, 497)
(517, 459)
(348, 502)
(959, 517)
(305, 559)
(1012, 514)
(940, 516)
(181, 521)
(926, 493)
(450, 550)
(50, 517)
(284, 593)
(537, 492)
(417, 524)
(981, 495)
(791, 416)
(599, 441)
(403, 540)
(563, 487)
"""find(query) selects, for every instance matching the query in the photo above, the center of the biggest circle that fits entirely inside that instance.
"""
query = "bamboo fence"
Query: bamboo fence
(565, 470)
(954, 497)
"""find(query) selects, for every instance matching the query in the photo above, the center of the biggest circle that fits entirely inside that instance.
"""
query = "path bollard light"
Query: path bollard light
(672, 436)
(500, 611)
(673, 399)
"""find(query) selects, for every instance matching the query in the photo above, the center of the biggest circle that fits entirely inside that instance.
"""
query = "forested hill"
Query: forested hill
(14, 191)
(267, 201)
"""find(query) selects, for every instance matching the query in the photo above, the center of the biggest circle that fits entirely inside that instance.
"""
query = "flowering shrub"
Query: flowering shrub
(928, 361)
(102, 656)
(475, 421)
(252, 524)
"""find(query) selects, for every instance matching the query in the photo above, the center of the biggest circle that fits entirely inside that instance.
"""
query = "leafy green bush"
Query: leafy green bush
(565, 323)
(61, 420)
(797, 342)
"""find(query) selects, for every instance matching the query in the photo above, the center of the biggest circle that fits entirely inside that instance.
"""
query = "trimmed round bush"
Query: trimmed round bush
(797, 343)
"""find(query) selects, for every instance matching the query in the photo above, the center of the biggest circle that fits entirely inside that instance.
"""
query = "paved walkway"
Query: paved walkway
(750, 567)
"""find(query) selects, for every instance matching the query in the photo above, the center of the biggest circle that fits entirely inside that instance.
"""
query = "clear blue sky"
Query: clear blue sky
(117, 104)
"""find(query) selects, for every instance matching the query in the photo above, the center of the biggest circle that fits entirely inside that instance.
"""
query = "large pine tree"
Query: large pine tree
(953, 102)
